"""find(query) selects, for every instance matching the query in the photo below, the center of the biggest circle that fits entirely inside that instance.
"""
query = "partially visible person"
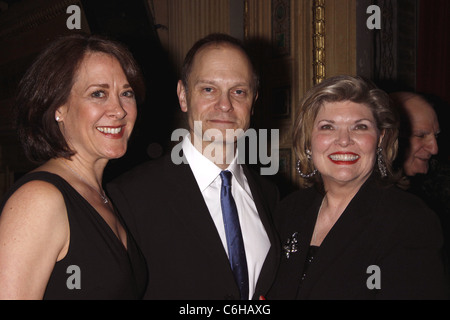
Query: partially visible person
(60, 236)
(425, 173)
(349, 233)
(420, 128)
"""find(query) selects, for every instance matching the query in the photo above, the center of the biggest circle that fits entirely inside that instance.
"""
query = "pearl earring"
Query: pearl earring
(57, 119)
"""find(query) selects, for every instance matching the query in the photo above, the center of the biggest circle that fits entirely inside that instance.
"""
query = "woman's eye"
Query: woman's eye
(129, 94)
(98, 94)
(361, 127)
(326, 127)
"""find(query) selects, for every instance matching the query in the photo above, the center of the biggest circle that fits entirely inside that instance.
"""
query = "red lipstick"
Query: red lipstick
(344, 158)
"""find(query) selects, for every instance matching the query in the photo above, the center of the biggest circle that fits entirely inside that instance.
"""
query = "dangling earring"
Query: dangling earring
(303, 175)
(381, 164)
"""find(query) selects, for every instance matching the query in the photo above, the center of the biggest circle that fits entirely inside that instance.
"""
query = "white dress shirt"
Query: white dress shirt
(256, 241)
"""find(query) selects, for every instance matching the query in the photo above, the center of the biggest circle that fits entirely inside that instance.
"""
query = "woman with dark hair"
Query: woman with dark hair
(60, 236)
(350, 234)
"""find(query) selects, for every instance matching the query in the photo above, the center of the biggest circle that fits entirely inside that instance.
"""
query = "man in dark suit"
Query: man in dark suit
(177, 211)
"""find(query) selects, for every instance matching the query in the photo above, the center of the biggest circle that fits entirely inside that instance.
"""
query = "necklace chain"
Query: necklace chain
(102, 196)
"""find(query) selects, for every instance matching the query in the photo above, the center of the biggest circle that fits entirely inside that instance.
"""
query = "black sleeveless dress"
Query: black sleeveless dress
(97, 265)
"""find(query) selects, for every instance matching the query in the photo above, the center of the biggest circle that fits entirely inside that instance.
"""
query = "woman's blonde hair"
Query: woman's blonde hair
(338, 89)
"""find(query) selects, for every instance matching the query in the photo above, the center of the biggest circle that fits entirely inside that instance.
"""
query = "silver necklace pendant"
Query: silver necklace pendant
(105, 199)
(102, 196)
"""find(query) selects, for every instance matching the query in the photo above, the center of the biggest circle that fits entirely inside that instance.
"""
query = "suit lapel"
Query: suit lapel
(350, 225)
(300, 228)
(190, 209)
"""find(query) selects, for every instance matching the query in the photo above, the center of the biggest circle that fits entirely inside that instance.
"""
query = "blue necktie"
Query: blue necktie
(236, 250)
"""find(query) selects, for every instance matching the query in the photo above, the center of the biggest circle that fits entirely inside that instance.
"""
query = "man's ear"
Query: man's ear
(182, 99)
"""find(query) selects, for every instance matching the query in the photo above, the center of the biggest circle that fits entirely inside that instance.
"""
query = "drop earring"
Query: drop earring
(381, 164)
(304, 175)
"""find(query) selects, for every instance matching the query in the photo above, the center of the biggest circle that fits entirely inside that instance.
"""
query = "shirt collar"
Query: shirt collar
(205, 171)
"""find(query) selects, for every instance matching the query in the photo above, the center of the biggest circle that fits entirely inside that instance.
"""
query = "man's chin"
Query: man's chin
(216, 140)
(221, 136)
(415, 171)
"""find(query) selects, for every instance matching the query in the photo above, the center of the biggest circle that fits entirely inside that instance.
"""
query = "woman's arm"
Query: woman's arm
(34, 234)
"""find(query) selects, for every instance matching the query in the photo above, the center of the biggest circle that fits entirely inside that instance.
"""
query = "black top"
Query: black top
(103, 267)
(381, 227)
(312, 252)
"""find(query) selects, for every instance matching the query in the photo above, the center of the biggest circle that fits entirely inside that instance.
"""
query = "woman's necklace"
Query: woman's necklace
(102, 196)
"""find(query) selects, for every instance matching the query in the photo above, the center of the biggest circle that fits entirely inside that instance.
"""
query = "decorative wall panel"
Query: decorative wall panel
(187, 21)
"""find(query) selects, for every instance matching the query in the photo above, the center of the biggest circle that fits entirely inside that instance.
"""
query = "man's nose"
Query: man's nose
(432, 145)
(225, 103)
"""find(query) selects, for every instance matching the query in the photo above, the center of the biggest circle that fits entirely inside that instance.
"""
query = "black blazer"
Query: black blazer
(381, 226)
(165, 211)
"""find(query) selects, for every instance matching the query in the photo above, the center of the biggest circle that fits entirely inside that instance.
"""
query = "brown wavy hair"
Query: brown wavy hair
(47, 84)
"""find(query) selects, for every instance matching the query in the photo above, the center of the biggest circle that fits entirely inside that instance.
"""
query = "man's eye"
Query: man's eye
(208, 90)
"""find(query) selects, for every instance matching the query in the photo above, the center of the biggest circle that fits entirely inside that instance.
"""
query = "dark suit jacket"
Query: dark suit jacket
(382, 226)
(165, 211)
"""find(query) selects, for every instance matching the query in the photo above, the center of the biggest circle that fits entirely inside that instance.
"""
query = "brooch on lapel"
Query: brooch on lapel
(291, 245)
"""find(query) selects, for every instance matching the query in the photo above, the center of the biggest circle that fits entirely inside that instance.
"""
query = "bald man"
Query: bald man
(423, 130)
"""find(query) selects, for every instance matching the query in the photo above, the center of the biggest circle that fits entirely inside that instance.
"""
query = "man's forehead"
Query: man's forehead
(209, 64)
(422, 114)
(416, 105)
(210, 52)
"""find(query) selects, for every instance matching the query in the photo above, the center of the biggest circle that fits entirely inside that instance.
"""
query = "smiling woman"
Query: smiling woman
(353, 218)
(99, 115)
(350, 107)
(343, 143)
(76, 108)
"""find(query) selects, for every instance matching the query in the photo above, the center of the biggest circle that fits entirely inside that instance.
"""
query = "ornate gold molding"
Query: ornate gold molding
(318, 41)
(246, 20)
